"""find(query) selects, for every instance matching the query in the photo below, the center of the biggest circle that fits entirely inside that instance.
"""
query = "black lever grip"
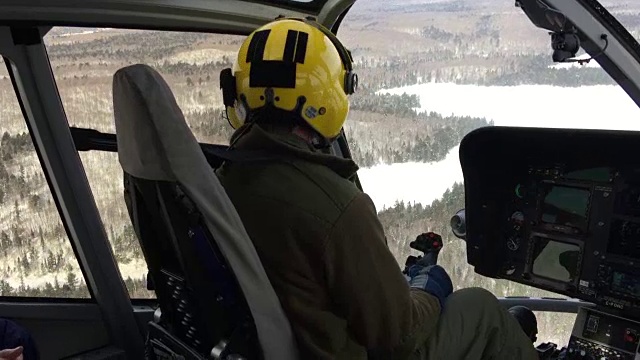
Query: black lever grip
(428, 243)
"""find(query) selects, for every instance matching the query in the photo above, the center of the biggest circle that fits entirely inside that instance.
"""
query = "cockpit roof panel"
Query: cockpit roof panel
(225, 16)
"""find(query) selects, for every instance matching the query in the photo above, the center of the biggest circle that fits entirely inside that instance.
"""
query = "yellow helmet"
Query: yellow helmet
(295, 65)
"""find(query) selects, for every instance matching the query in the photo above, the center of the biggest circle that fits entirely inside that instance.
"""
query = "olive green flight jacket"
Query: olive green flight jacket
(324, 250)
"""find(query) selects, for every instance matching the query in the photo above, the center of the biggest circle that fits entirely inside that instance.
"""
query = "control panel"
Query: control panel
(563, 231)
(558, 210)
(600, 335)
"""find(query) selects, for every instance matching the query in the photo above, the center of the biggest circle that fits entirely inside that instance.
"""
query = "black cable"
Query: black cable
(586, 61)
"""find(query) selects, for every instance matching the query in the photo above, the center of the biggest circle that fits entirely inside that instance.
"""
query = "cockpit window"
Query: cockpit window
(431, 72)
(36, 257)
(84, 61)
(628, 14)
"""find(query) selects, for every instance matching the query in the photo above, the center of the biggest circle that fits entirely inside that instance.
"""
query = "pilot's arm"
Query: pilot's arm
(365, 282)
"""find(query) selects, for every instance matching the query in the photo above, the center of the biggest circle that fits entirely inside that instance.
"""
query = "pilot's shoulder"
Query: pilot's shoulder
(328, 184)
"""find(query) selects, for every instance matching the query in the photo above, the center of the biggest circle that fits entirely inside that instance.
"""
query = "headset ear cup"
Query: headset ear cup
(350, 83)
(228, 86)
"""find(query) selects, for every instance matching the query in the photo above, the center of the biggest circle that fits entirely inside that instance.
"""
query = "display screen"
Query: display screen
(625, 283)
(567, 206)
(624, 238)
(555, 260)
(628, 201)
(600, 174)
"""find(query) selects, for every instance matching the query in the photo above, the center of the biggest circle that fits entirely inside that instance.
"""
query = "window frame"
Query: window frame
(224, 16)
(34, 84)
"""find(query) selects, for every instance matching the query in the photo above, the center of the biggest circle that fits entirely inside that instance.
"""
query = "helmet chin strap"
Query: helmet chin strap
(322, 144)
(311, 137)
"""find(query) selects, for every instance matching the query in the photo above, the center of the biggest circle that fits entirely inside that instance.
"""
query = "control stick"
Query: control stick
(428, 243)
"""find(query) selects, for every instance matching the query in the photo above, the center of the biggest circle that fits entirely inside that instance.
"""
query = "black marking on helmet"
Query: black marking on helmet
(276, 73)
(301, 48)
(258, 42)
(290, 46)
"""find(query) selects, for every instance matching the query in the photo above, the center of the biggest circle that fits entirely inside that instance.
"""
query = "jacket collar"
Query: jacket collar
(254, 137)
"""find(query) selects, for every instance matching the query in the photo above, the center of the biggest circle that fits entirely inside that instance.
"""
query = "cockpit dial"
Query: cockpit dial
(513, 243)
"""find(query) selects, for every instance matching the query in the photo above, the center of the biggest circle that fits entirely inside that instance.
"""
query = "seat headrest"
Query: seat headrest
(155, 143)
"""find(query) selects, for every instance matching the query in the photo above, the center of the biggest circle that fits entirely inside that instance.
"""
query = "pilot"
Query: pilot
(317, 235)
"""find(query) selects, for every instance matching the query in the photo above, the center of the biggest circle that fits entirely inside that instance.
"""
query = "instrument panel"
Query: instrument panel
(556, 209)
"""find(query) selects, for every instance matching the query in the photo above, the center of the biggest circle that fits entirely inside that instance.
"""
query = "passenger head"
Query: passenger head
(291, 75)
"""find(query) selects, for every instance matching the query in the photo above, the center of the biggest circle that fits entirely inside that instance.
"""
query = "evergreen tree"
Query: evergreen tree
(72, 280)
(22, 287)
(41, 237)
(16, 212)
(5, 240)
(5, 288)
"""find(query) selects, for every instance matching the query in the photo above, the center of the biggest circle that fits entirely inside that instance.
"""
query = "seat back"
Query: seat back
(213, 292)
(200, 301)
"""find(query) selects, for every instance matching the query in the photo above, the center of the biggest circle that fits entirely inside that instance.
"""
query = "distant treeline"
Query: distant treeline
(211, 125)
(399, 105)
(496, 70)
(204, 71)
(537, 70)
(436, 136)
(137, 45)
(69, 287)
(450, 6)
(419, 149)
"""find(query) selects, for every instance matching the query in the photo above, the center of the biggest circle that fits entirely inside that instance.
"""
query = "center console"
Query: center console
(604, 335)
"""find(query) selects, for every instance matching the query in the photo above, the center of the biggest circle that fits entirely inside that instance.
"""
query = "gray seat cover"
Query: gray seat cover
(155, 143)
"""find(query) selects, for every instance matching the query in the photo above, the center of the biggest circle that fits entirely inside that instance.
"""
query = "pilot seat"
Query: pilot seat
(215, 300)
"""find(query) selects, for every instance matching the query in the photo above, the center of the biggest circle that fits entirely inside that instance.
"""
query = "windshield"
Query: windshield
(627, 13)
(432, 71)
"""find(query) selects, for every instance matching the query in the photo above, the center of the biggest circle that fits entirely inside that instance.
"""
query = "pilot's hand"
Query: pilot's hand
(11, 354)
(432, 279)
